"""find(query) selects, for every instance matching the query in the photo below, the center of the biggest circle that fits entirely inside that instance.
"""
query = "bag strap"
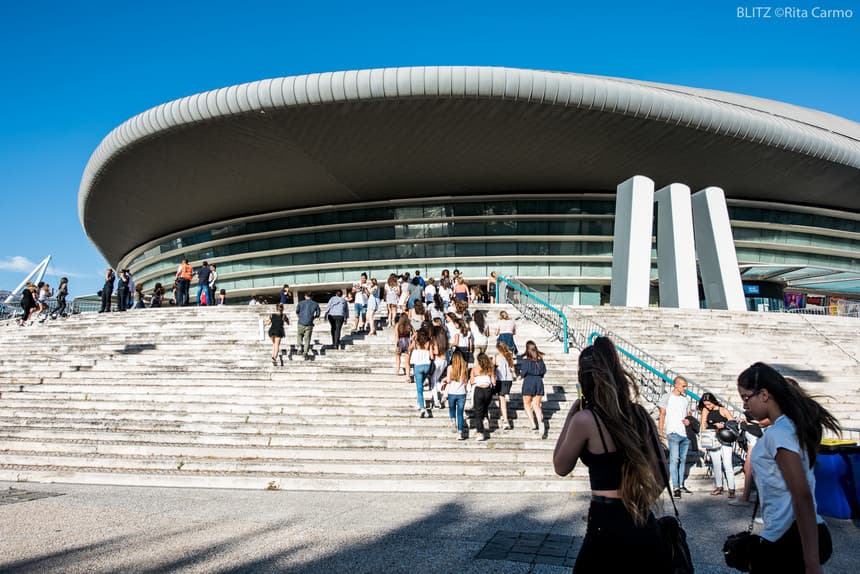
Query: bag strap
(664, 470)
(752, 519)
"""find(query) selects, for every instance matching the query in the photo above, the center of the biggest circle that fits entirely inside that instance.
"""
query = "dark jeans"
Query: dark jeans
(61, 305)
(481, 406)
(106, 293)
(614, 543)
(182, 286)
(336, 322)
(121, 299)
(785, 556)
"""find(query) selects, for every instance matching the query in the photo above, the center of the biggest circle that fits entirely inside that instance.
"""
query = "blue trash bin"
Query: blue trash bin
(836, 491)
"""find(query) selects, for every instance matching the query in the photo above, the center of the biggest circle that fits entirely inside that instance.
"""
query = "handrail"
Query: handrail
(532, 312)
(653, 374)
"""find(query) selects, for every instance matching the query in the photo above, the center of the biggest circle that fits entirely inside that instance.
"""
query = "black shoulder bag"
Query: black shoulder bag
(738, 548)
(672, 533)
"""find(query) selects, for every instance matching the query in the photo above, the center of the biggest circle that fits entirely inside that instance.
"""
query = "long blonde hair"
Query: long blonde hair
(459, 367)
(611, 392)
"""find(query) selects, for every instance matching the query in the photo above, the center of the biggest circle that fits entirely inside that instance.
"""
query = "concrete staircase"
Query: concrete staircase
(188, 397)
(713, 347)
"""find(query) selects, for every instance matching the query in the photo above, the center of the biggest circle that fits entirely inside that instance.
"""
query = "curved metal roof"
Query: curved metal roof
(379, 134)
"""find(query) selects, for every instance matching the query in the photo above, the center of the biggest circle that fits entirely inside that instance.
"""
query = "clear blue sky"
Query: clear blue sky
(74, 70)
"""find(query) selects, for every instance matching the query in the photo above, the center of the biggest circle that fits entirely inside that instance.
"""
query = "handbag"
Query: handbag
(738, 548)
(708, 439)
(670, 529)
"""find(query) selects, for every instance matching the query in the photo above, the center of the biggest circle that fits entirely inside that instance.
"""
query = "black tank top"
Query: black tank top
(715, 417)
(604, 469)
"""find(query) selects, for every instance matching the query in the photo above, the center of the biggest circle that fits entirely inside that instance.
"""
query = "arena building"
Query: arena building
(310, 180)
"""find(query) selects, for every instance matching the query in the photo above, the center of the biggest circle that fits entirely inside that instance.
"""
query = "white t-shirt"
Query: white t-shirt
(429, 291)
(777, 511)
(360, 293)
(445, 294)
(479, 337)
(677, 407)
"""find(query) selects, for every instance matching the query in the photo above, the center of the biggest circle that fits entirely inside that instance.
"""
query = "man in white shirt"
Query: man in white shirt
(674, 410)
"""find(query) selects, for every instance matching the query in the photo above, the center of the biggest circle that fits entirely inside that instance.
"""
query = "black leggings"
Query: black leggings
(614, 543)
(481, 406)
(336, 322)
(785, 556)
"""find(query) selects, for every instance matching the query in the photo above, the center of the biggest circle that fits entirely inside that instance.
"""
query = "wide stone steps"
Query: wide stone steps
(515, 440)
(712, 347)
(519, 437)
(293, 481)
(363, 463)
(470, 453)
(189, 397)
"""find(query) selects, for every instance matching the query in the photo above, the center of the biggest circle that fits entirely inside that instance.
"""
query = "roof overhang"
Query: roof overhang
(347, 137)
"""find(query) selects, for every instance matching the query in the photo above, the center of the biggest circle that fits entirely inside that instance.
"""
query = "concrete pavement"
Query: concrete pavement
(108, 529)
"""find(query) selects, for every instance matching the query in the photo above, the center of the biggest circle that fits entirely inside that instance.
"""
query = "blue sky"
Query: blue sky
(74, 70)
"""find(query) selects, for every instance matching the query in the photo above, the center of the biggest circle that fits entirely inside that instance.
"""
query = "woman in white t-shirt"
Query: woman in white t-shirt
(444, 292)
(480, 332)
(794, 538)
(506, 328)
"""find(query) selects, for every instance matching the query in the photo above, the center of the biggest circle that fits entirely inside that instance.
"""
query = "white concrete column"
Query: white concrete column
(715, 247)
(676, 256)
(631, 246)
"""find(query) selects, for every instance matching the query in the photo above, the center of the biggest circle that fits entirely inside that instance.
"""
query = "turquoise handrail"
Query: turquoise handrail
(559, 312)
(594, 334)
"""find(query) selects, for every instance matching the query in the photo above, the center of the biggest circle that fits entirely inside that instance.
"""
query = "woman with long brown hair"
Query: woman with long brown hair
(455, 383)
(614, 437)
(402, 338)
(483, 378)
(438, 351)
(794, 538)
(532, 370)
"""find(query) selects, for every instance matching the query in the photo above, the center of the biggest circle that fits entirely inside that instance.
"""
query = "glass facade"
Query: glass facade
(560, 244)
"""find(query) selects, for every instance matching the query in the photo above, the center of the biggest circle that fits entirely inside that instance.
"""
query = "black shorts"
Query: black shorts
(503, 388)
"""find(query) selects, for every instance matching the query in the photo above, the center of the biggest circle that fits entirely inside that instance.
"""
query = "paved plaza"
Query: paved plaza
(63, 528)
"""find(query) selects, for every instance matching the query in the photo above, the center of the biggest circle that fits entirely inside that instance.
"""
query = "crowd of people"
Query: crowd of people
(131, 296)
(462, 358)
(614, 437)
(36, 304)
(438, 344)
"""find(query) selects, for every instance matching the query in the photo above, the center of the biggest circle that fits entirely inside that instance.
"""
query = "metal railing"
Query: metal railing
(534, 308)
(654, 376)
(13, 310)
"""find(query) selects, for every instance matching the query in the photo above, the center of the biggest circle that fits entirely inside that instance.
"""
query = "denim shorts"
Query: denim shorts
(360, 310)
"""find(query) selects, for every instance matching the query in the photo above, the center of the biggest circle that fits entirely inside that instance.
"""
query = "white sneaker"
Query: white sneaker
(481, 437)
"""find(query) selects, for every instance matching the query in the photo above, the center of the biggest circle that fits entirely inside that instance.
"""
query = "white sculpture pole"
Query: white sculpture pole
(35, 276)
(676, 256)
(715, 247)
(631, 246)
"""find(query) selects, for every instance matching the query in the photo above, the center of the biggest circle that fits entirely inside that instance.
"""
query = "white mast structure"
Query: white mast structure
(34, 276)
